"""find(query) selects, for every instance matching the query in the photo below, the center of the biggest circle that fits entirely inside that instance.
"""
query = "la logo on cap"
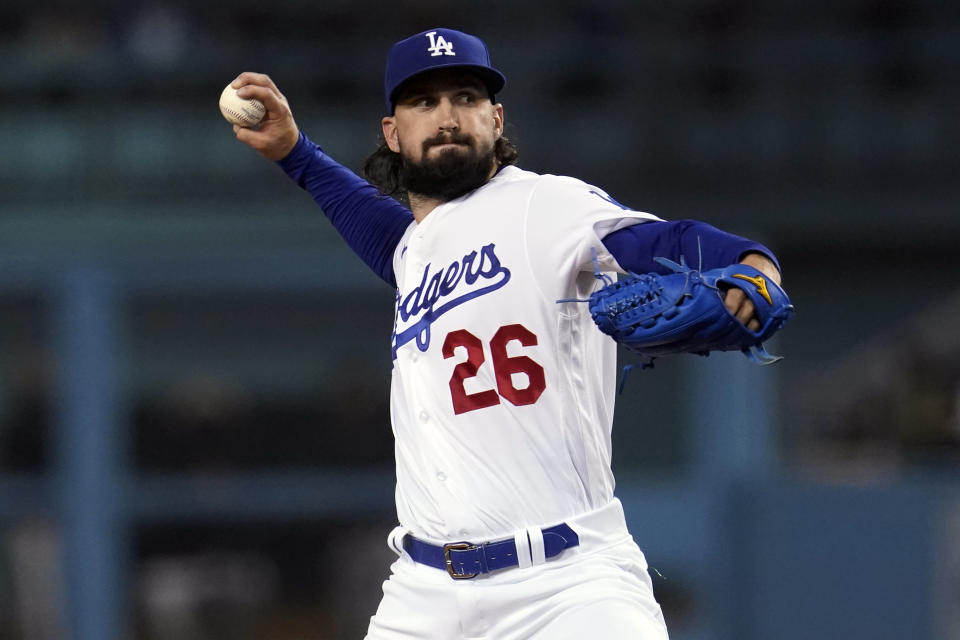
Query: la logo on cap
(439, 45)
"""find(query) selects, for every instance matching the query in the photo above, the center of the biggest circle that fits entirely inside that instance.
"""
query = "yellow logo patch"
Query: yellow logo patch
(759, 283)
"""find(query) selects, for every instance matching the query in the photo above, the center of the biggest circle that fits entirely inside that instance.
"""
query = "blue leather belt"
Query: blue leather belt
(464, 560)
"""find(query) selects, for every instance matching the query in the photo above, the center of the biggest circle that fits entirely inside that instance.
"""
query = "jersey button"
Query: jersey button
(424, 416)
(441, 476)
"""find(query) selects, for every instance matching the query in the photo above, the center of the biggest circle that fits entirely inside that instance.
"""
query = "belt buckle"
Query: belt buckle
(458, 546)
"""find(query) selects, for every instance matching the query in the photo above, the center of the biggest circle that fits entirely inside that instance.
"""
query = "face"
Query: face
(444, 127)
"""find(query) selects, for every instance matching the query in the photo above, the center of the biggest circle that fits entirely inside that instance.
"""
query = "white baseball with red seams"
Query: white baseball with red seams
(502, 399)
(240, 111)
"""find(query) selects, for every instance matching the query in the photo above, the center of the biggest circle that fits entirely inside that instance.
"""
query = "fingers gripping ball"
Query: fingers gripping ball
(240, 111)
(683, 312)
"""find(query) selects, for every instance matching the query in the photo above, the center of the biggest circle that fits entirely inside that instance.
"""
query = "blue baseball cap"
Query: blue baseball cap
(438, 49)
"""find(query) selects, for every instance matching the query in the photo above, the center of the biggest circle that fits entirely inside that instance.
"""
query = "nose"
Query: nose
(447, 114)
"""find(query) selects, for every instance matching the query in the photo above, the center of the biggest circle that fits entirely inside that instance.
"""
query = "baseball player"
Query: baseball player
(501, 397)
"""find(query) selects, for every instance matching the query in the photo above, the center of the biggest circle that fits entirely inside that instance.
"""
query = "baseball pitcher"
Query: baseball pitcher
(502, 392)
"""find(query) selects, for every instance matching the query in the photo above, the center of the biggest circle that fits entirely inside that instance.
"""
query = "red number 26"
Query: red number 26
(504, 367)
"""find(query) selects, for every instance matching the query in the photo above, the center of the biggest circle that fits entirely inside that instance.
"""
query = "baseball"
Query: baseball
(240, 111)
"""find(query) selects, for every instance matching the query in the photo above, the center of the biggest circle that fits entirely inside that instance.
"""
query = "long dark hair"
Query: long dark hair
(382, 167)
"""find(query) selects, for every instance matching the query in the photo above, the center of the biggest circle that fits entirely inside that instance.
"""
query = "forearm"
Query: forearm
(701, 246)
(371, 223)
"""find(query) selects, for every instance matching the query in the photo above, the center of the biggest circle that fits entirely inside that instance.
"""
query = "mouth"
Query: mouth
(447, 145)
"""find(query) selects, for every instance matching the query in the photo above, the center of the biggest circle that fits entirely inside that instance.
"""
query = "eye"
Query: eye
(420, 102)
(467, 97)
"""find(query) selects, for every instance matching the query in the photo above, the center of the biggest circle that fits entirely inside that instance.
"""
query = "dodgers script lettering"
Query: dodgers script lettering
(477, 273)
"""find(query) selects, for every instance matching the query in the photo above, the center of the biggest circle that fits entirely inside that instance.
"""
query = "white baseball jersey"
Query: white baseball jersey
(501, 398)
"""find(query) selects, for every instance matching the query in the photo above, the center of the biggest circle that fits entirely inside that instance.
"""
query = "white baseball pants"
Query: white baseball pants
(599, 589)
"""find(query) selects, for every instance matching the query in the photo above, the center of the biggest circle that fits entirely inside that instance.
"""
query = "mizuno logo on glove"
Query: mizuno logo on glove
(759, 283)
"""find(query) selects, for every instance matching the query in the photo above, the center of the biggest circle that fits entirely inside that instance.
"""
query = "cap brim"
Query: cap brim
(492, 79)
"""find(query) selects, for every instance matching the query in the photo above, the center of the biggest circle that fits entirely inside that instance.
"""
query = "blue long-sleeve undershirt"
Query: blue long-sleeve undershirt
(373, 224)
(701, 245)
(370, 222)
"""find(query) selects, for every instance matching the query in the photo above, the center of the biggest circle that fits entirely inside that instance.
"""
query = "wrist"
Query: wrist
(763, 263)
(301, 149)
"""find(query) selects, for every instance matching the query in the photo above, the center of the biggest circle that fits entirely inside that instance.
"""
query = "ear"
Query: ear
(498, 120)
(389, 126)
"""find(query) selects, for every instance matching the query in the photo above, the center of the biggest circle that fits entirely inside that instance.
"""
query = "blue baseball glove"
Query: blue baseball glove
(683, 312)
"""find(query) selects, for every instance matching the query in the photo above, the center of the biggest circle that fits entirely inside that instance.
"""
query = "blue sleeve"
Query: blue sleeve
(636, 246)
(371, 223)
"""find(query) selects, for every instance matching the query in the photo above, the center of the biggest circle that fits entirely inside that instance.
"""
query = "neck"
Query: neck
(422, 205)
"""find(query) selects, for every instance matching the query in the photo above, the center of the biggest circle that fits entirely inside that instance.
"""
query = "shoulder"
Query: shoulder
(574, 192)
(513, 175)
(557, 195)
(546, 184)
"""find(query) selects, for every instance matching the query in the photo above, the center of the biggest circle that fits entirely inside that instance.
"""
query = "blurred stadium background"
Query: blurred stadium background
(194, 434)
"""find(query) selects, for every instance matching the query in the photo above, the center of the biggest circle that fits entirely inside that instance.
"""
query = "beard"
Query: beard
(453, 173)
